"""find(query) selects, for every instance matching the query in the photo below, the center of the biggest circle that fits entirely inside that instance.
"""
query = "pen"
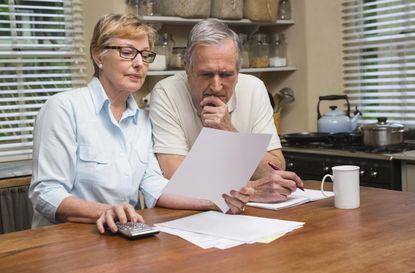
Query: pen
(275, 167)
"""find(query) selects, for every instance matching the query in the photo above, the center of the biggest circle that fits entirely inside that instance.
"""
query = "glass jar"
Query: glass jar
(148, 7)
(168, 44)
(134, 7)
(278, 50)
(160, 62)
(177, 58)
(259, 51)
(245, 50)
(284, 10)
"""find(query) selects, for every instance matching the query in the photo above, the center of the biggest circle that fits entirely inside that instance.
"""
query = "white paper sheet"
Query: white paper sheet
(207, 241)
(218, 162)
(241, 228)
(298, 197)
(202, 240)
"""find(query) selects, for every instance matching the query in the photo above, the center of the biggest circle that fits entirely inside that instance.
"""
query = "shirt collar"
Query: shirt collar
(232, 103)
(132, 108)
(101, 100)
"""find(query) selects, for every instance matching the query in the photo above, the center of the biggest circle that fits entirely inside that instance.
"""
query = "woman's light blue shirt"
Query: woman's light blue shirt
(81, 150)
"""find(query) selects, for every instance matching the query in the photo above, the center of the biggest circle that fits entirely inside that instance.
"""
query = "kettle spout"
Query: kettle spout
(355, 119)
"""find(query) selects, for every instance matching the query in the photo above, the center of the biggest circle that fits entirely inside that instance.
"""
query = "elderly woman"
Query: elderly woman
(92, 146)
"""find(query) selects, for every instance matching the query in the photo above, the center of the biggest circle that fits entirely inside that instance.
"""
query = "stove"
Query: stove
(378, 167)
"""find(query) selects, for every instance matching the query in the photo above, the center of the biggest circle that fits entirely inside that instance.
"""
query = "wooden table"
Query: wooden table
(377, 237)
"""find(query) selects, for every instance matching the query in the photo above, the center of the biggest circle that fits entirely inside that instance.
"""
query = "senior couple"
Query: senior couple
(93, 147)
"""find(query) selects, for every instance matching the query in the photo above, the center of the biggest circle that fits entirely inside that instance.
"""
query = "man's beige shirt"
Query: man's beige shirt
(176, 119)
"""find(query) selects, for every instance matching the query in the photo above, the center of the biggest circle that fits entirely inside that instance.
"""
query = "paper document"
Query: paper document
(242, 228)
(218, 162)
(202, 240)
(298, 197)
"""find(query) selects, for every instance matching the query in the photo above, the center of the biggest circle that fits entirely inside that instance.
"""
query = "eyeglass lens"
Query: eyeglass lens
(131, 53)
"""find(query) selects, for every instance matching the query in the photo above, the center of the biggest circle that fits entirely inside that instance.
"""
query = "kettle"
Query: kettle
(336, 121)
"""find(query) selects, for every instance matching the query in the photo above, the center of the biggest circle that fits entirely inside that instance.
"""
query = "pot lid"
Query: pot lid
(334, 112)
(383, 125)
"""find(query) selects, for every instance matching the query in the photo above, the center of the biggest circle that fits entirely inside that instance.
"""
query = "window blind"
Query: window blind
(41, 54)
(379, 58)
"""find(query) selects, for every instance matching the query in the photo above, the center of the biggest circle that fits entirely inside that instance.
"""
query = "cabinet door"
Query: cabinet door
(408, 176)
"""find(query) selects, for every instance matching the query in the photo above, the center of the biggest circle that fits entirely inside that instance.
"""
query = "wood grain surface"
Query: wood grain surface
(377, 237)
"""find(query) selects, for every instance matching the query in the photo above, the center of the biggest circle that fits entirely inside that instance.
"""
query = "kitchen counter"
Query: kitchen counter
(325, 151)
(408, 155)
(15, 168)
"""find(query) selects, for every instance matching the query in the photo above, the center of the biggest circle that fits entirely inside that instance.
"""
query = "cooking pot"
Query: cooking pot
(382, 133)
(336, 121)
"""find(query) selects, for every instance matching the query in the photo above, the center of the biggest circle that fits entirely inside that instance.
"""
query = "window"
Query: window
(41, 53)
(379, 58)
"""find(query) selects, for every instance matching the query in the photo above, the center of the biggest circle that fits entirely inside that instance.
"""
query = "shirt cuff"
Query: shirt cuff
(150, 198)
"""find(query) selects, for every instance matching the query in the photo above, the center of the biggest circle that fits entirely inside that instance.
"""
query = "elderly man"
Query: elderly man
(212, 93)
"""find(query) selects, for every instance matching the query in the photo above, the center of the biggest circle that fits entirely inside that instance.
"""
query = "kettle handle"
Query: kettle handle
(333, 97)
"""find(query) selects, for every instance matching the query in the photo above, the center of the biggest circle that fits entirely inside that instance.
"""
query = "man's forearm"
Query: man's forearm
(263, 169)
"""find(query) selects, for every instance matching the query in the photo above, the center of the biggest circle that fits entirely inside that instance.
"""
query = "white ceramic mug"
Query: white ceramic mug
(345, 186)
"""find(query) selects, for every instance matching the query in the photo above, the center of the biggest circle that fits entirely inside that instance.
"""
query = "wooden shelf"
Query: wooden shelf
(180, 20)
(268, 69)
(162, 72)
(243, 70)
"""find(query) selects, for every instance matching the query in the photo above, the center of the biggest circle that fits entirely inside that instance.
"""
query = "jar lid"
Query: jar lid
(179, 49)
(260, 37)
(243, 35)
(276, 37)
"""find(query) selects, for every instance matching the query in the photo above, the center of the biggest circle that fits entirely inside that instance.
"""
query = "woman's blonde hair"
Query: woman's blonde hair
(118, 26)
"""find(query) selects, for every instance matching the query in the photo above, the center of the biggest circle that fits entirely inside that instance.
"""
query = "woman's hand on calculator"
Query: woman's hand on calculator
(121, 213)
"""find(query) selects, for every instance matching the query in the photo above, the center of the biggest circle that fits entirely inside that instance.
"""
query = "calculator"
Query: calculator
(132, 230)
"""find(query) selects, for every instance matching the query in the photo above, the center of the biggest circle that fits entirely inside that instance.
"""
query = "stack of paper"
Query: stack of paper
(298, 197)
(215, 229)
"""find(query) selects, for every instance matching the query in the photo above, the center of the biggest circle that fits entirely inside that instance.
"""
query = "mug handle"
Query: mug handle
(322, 184)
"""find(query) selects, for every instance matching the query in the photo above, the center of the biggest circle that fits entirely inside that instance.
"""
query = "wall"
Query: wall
(315, 49)
(314, 43)
(92, 11)
(324, 54)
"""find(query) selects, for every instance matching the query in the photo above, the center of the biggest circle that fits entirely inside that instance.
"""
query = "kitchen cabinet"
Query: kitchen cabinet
(15, 207)
(179, 28)
(408, 176)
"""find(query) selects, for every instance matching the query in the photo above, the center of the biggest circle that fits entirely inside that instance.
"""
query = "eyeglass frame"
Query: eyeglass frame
(119, 48)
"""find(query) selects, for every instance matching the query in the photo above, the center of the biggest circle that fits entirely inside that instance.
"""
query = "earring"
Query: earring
(100, 66)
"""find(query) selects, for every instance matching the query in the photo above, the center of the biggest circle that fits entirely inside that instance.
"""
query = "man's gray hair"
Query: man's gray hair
(208, 32)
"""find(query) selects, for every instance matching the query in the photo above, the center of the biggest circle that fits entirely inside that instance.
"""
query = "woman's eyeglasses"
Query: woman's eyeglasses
(129, 53)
